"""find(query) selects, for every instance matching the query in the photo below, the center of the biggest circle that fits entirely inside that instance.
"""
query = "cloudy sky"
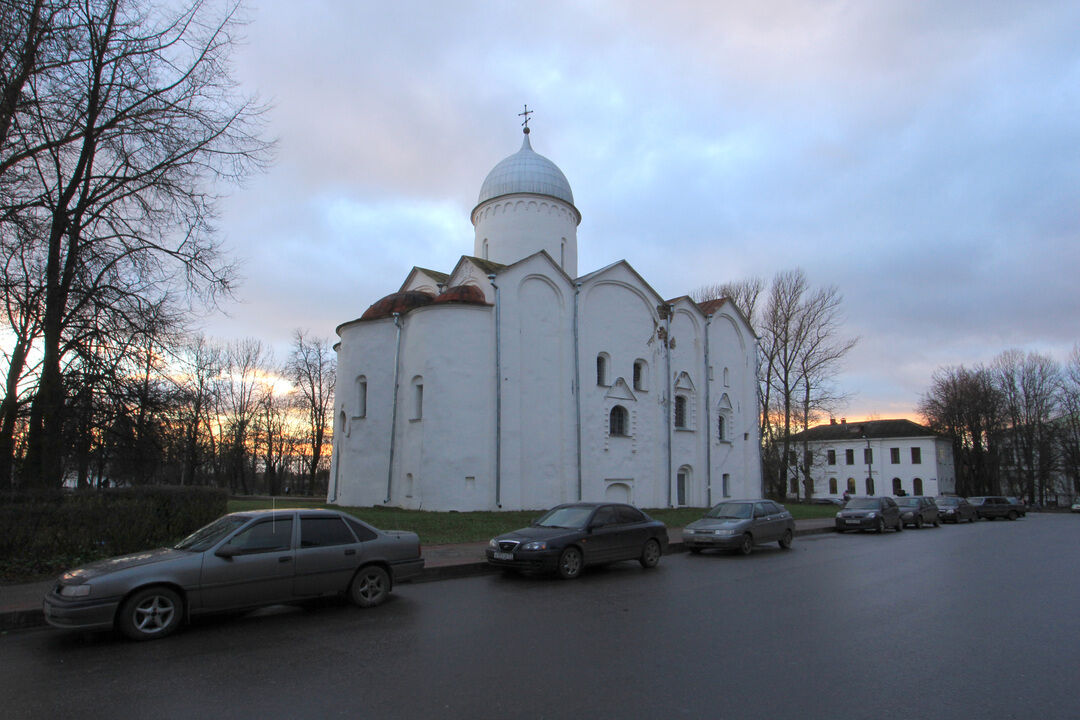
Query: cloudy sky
(924, 157)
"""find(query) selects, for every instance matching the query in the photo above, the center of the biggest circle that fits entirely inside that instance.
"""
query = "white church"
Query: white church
(513, 383)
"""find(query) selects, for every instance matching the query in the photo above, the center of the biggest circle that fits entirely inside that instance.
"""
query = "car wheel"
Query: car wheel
(370, 586)
(650, 554)
(918, 522)
(785, 539)
(570, 563)
(695, 550)
(881, 525)
(937, 522)
(747, 545)
(1012, 514)
(151, 613)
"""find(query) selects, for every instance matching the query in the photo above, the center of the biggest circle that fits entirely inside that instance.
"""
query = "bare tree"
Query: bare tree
(119, 149)
(1067, 430)
(1029, 385)
(313, 370)
(246, 371)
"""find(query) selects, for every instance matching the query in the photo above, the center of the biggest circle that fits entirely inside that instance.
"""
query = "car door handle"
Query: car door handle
(351, 551)
(284, 559)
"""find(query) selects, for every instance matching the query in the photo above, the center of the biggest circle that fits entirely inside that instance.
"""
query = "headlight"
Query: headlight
(871, 515)
(493, 543)
(688, 531)
(535, 545)
(74, 590)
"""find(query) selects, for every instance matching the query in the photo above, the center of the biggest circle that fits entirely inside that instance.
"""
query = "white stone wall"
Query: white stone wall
(934, 471)
(517, 226)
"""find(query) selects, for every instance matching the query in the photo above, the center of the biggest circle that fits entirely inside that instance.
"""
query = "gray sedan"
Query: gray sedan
(242, 560)
(739, 525)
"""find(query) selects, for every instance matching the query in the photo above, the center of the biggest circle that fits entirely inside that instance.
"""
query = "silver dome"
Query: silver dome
(526, 172)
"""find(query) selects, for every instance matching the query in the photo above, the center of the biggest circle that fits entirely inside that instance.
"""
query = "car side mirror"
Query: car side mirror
(227, 551)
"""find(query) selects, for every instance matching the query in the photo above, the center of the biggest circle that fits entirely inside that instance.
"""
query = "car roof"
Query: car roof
(282, 511)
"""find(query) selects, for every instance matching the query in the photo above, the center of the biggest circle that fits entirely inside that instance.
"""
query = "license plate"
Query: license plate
(504, 556)
(852, 521)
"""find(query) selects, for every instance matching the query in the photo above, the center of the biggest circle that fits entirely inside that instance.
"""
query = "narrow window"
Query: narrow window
(869, 486)
(792, 458)
(680, 411)
(681, 481)
(418, 397)
(832, 457)
(894, 456)
(849, 458)
(897, 486)
(794, 486)
(916, 458)
(361, 396)
(617, 421)
(727, 378)
(601, 369)
(916, 485)
(720, 427)
(832, 486)
(851, 484)
(726, 485)
(808, 458)
(868, 456)
(562, 254)
(639, 374)
(485, 249)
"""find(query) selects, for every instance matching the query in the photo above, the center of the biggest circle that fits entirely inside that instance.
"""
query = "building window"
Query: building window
(832, 486)
(562, 254)
(832, 457)
(868, 456)
(794, 486)
(682, 483)
(849, 457)
(720, 427)
(792, 458)
(618, 421)
(916, 456)
(680, 412)
(851, 485)
(894, 456)
(485, 249)
(725, 485)
(808, 458)
(418, 397)
(916, 485)
(869, 486)
(640, 368)
(727, 378)
(601, 369)
(361, 396)
(897, 486)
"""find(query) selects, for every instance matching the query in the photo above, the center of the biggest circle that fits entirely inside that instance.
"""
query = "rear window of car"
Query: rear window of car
(629, 514)
(363, 532)
(323, 531)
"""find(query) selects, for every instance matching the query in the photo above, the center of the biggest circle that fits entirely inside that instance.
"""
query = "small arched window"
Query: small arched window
(619, 421)
(727, 378)
(869, 486)
(851, 485)
(361, 396)
(640, 375)
(562, 254)
(897, 486)
(418, 397)
(485, 249)
(680, 411)
(832, 486)
(721, 427)
(916, 485)
(602, 369)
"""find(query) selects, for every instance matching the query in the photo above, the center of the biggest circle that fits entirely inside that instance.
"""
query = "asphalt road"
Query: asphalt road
(975, 621)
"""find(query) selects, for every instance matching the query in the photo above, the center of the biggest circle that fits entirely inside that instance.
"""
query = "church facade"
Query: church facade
(512, 383)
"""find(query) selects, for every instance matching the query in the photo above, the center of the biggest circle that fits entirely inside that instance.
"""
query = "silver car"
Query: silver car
(242, 560)
(739, 525)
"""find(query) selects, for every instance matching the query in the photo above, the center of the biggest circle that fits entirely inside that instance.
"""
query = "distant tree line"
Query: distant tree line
(119, 129)
(1015, 425)
(801, 349)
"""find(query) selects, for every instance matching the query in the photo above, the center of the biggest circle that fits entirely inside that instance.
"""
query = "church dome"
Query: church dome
(465, 294)
(526, 172)
(399, 302)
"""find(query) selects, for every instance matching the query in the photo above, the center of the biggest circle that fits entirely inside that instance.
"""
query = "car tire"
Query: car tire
(570, 563)
(937, 522)
(880, 528)
(151, 613)
(785, 539)
(650, 554)
(918, 522)
(900, 525)
(370, 586)
(747, 545)
(695, 551)
(1012, 514)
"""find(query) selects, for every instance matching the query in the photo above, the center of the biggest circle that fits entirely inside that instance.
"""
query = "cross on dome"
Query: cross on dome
(525, 122)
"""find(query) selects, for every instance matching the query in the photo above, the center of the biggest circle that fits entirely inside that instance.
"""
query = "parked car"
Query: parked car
(918, 511)
(956, 509)
(569, 537)
(993, 507)
(1075, 507)
(242, 560)
(869, 513)
(739, 525)
(1020, 505)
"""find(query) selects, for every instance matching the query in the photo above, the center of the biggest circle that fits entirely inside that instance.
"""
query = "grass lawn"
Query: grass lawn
(438, 528)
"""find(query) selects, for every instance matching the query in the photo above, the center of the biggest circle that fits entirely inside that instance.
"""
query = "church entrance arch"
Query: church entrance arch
(617, 491)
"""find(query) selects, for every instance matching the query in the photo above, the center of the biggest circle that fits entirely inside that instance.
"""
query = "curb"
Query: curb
(22, 619)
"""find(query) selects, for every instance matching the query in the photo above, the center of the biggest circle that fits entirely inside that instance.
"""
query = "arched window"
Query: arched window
(727, 378)
(851, 485)
(485, 249)
(361, 396)
(601, 369)
(682, 485)
(721, 427)
(869, 486)
(562, 254)
(618, 421)
(680, 412)
(916, 485)
(418, 397)
(897, 486)
(640, 375)
(832, 486)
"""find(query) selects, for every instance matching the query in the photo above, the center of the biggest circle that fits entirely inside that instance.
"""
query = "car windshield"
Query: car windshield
(730, 510)
(206, 537)
(861, 504)
(573, 516)
(948, 501)
(907, 501)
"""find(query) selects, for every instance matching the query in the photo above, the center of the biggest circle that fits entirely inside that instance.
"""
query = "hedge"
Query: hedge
(48, 532)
